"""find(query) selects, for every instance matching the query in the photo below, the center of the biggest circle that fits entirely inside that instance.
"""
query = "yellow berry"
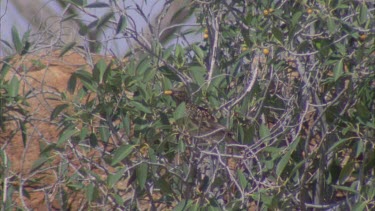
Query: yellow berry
(244, 49)
(310, 11)
(205, 36)
(266, 12)
(144, 149)
(168, 92)
(363, 37)
(266, 51)
(271, 10)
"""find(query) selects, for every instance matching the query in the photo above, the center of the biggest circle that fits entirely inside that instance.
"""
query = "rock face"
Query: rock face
(42, 77)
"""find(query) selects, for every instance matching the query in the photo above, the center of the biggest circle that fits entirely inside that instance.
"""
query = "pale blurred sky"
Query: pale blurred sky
(9, 17)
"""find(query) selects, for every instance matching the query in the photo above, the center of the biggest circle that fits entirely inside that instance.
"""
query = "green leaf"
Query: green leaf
(360, 148)
(269, 164)
(331, 25)
(164, 186)
(107, 72)
(72, 83)
(183, 205)
(338, 70)
(362, 17)
(139, 106)
(149, 75)
(153, 159)
(104, 19)
(362, 112)
(360, 206)
(46, 150)
(71, 16)
(296, 17)
(114, 178)
(4, 159)
(181, 146)
(198, 73)
(69, 132)
(323, 45)
(143, 66)
(25, 42)
(121, 153)
(91, 192)
(303, 47)
(121, 25)
(344, 188)
(167, 53)
(5, 68)
(38, 163)
(195, 207)
(337, 144)
(285, 159)
(119, 198)
(198, 52)
(97, 5)
(93, 140)
(157, 48)
(277, 34)
(58, 110)
(346, 172)
(127, 124)
(142, 175)
(340, 48)
(180, 56)
(86, 79)
(180, 52)
(242, 179)
(83, 30)
(66, 48)
(13, 87)
(297, 166)
(104, 133)
(78, 3)
(99, 70)
(282, 163)
(23, 132)
(370, 192)
(83, 134)
(180, 111)
(264, 132)
(16, 40)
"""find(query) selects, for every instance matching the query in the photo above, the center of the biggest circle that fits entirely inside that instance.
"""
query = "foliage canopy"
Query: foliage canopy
(293, 81)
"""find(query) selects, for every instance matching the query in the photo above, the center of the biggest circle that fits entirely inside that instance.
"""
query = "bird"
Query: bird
(206, 125)
(206, 132)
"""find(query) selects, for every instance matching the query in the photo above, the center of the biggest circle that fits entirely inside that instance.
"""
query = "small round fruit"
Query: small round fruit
(243, 49)
(266, 12)
(271, 10)
(363, 37)
(168, 92)
(205, 36)
(310, 11)
(266, 51)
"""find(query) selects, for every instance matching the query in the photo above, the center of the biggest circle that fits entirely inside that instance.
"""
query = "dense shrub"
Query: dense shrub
(293, 82)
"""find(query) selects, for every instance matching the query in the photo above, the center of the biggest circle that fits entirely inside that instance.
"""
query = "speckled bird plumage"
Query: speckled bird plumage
(209, 128)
